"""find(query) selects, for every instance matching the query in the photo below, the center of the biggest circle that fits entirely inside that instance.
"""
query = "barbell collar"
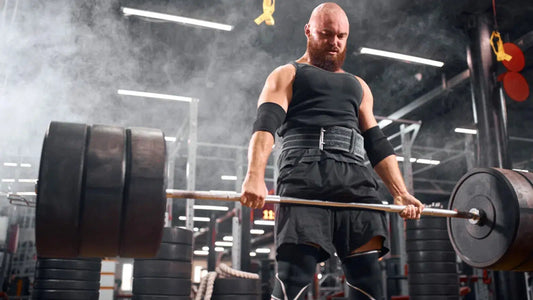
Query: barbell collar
(235, 197)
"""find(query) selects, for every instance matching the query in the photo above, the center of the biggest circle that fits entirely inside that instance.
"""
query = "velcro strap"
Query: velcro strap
(331, 138)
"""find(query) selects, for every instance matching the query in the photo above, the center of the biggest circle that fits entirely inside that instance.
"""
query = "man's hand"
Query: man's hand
(254, 191)
(413, 206)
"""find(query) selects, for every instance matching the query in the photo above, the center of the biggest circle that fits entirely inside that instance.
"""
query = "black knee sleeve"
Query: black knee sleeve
(296, 269)
(363, 276)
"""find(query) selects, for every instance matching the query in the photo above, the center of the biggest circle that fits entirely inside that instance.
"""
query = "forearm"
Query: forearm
(389, 171)
(258, 152)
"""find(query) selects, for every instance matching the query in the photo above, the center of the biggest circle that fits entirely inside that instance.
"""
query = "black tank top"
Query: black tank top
(322, 98)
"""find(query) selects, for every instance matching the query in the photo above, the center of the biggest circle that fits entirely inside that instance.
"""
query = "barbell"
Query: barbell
(102, 192)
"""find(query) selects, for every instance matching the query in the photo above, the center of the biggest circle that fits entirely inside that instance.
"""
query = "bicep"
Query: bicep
(366, 114)
(278, 87)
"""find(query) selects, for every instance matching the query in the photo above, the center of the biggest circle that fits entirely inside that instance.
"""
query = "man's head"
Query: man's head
(327, 33)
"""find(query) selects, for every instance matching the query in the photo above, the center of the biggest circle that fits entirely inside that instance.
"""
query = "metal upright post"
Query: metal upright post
(236, 228)
(191, 160)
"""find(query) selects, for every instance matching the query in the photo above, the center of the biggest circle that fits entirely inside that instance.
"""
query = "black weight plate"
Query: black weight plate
(161, 268)
(431, 245)
(145, 194)
(483, 246)
(433, 267)
(67, 295)
(238, 286)
(236, 296)
(442, 278)
(159, 297)
(67, 274)
(55, 284)
(434, 289)
(70, 264)
(428, 256)
(181, 252)
(177, 235)
(162, 286)
(426, 222)
(105, 170)
(59, 190)
(426, 234)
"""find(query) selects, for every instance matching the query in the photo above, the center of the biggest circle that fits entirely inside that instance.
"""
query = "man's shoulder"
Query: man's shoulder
(288, 69)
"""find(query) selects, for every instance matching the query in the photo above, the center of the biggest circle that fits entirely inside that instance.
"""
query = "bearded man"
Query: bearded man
(325, 118)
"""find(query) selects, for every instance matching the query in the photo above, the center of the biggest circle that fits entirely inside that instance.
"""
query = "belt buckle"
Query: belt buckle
(321, 139)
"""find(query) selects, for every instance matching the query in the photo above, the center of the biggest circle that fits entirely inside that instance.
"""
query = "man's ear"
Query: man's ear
(307, 29)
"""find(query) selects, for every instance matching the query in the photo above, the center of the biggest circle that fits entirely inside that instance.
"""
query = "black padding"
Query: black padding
(269, 118)
(430, 245)
(83, 275)
(94, 264)
(65, 295)
(180, 252)
(55, 284)
(177, 235)
(237, 286)
(377, 145)
(434, 267)
(59, 190)
(159, 297)
(235, 297)
(434, 289)
(161, 268)
(431, 256)
(105, 171)
(426, 234)
(428, 278)
(363, 272)
(161, 286)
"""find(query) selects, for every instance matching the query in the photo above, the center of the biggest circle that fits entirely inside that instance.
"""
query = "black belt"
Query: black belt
(331, 138)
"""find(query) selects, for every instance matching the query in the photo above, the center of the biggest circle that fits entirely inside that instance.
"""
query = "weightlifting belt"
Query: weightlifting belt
(330, 138)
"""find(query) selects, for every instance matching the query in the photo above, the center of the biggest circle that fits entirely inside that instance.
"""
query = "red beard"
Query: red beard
(321, 58)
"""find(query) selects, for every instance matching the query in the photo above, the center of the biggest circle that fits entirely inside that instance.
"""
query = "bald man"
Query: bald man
(325, 118)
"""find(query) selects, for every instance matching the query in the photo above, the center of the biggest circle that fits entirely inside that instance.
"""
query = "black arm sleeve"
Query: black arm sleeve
(377, 145)
(270, 116)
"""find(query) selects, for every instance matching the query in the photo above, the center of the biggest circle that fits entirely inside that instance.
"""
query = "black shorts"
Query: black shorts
(310, 175)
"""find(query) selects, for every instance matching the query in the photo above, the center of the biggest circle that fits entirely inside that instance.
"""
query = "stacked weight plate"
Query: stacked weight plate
(73, 279)
(168, 275)
(236, 288)
(431, 260)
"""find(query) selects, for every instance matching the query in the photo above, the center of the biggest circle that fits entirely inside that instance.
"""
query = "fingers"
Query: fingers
(252, 201)
(411, 212)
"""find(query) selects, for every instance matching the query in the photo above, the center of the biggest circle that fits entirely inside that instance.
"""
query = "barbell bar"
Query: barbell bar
(489, 216)
(474, 215)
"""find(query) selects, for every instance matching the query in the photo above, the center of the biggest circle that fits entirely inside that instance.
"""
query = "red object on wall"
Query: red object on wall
(516, 86)
(517, 63)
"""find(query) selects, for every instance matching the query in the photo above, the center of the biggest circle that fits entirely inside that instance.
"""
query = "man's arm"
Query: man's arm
(388, 168)
(277, 90)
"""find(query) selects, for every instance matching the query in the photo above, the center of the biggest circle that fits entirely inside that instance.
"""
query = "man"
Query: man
(323, 113)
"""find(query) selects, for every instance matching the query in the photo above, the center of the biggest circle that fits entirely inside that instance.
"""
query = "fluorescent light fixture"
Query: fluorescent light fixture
(521, 170)
(253, 254)
(195, 229)
(205, 248)
(262, 250)
(25, 165)
(201, 252)
(427, 161)
(223, 244)
(10, 164)
(384, 123)
(166, 17)
(170, 138)
(211, 207)
(401, 158)
(154, 95)
(127, 273)
(465, 130)
(8, 180)
(219, 249)
(264, 222)
(399, 56)
(26, 194)
(227, 238)
(198, 219)
(257, 231)
(228, 177)
(28, 180)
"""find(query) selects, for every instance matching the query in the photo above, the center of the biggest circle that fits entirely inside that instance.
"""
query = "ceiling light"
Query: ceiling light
(401, 57)
(262, 250)
(427, 161)
(10, 164)
(198, 219)
(227, 238)
(26, 193)
(384, 123)
(154, 95)
(219, 249)
(253, 254)
(465, 130)
(211, 207)
(201, 252)
(28, 180)
(25, 165)
(170, 138)
(264, 222)
(257, 231)
(521, 170)
(228, 177)
(8, 180)
(223, 244)
(166, 17)
(205, 248)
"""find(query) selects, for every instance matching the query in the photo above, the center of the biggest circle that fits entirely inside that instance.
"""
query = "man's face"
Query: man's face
(326, 41)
